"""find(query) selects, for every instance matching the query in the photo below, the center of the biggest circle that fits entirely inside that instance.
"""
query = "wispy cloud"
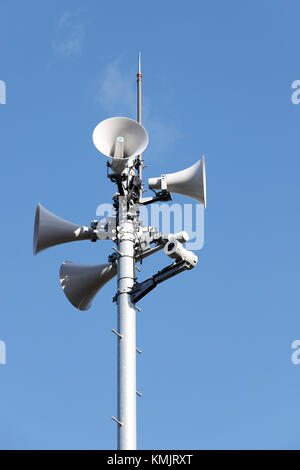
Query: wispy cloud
(69, 33)
(116, 93)
(117, 96)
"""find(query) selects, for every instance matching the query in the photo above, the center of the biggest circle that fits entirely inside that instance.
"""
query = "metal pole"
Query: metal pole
(139, 112)
(127, 330)
(126, 310)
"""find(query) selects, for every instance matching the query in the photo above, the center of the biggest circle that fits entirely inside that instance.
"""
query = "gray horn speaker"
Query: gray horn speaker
(81, 283)
(189, 182)
(120, 139)
(50, 230)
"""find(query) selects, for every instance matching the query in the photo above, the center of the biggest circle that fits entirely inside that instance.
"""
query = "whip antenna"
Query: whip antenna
(139, 114)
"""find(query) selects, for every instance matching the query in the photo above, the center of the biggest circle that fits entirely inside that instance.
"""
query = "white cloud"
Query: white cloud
(117, 96)
(69, 33)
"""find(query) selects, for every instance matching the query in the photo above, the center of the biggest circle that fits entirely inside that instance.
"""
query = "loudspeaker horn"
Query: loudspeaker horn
(50, 230)
(81, 283)
(120, 139)
(189, 182)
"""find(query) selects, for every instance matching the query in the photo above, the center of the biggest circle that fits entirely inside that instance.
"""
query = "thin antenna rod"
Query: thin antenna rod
(139, 112)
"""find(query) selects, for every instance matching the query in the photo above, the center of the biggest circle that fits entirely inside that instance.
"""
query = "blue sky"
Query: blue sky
(216, 368)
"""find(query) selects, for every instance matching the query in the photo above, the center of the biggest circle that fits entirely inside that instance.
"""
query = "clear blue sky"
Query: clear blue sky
(216, 369)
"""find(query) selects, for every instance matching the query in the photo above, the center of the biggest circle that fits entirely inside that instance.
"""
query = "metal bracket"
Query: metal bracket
(163, 195)
(94, 236)
(120, 291)
(113, 257)
(140, 289)
(104, 229)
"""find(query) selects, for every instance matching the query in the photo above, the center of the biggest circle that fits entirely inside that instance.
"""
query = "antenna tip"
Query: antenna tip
(139, 65)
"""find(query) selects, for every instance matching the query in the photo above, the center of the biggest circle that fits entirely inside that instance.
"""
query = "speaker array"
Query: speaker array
(121, 140)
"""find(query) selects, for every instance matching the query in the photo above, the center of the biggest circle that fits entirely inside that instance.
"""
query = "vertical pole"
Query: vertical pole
(139, 112)
(127, 329)
(126, 310)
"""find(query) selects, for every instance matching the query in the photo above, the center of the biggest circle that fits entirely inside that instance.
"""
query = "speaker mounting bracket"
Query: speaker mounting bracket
(104, 229)
(140, 289)
(163, 195)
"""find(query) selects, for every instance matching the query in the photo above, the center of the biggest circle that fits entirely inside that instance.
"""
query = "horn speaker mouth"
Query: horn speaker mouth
(36, 230)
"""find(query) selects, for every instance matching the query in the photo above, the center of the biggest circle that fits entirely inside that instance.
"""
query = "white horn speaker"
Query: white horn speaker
(81, 283)
(120, 139)
(189, 182)
(51, 230)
